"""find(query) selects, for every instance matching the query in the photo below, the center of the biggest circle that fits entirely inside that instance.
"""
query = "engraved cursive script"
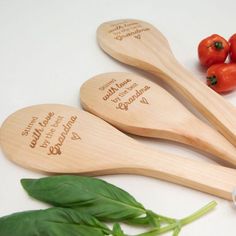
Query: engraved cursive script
(39, 130)
(138, 93)
(56, 148)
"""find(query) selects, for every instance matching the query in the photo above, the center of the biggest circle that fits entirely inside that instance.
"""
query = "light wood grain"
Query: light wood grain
(93, 147)
(140, 44)
(135, 105)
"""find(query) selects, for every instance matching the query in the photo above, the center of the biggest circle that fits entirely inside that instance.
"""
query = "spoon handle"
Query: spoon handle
(214, 107)
(209, 178)
(199, 135)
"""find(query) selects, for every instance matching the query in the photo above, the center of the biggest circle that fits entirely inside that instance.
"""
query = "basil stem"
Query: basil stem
(178, 224)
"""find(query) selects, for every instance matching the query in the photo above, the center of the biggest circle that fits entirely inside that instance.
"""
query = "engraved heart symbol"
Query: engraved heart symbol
(144, 100)
(138, 36)
(75, 136)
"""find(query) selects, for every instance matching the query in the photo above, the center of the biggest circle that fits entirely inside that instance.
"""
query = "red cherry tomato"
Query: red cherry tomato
(212, 50)
(232, 50)
(222, 77)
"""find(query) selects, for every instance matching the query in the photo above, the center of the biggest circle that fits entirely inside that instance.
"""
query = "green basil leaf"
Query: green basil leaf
(117, 231)
(93, 196)
(51, 222)
(153, 219)
(139, 221)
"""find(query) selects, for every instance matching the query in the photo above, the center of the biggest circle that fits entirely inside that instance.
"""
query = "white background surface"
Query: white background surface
(48, 49)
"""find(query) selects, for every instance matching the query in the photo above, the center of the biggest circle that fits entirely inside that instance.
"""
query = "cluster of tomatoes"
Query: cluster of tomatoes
(213, 52)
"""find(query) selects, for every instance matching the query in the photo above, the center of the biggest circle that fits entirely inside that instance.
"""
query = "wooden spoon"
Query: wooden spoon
(63, 139)
(138, 106)
(140, 44)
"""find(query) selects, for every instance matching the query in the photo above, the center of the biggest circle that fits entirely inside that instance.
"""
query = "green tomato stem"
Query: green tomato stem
(212, 79)
(218, 45)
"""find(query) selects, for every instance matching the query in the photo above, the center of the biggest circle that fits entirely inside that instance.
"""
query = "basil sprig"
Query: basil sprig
(80, 202)
(52, 222)
(106, 202)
